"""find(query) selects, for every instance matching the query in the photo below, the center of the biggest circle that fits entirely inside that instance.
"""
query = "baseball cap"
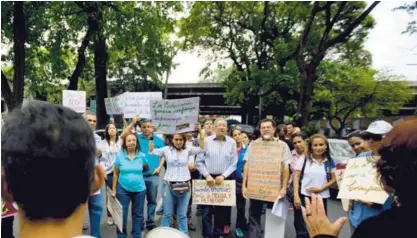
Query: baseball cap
(379, 127)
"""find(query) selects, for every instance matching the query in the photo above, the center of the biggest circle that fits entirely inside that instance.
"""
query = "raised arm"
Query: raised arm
(127, 130)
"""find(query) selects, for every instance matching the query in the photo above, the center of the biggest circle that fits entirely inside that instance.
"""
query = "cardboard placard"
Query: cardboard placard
(218, 195)
(135, 103)
(360, 181)
(76, 100)
(175, 116)
(264, 174)
(115, 209)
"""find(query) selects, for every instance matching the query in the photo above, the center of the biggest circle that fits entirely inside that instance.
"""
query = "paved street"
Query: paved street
(335, 211)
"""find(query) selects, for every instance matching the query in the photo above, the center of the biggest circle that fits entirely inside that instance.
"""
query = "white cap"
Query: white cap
(379, 127)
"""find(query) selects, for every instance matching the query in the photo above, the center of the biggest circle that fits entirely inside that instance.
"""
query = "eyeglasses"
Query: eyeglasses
(374, 137)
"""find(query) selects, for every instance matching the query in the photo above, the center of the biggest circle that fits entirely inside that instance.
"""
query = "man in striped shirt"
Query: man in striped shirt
(217, 163)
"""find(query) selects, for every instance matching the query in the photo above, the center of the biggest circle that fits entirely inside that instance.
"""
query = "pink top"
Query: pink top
(294, 158)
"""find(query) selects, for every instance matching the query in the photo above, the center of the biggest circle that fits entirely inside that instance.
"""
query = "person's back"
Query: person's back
(46, 145)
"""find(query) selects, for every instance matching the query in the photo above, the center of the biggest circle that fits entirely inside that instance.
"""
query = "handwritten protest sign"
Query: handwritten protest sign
(218, 195)
(135, 103)
(8, 209)
(74, 100)
(264, 175)
(360, 182)
(112, 105)
(115, 209)
(175, 116)
(339, 177)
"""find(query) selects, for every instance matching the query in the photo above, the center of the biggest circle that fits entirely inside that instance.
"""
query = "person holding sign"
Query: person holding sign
(217, 163)
(267, 130)
(48, 169)
(317, 174)
(129, 185)
(397, 171)
(155, 164)
(177, 177)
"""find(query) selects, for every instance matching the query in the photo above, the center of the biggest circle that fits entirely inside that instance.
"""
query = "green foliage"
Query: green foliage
(410, 8)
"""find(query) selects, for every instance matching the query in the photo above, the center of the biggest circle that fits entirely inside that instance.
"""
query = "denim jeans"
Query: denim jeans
(181, 202)
(95, 210)
(299, 224)
(240, 207)
(138, 203)
(151, 183)
(163, 187)
(109, 183)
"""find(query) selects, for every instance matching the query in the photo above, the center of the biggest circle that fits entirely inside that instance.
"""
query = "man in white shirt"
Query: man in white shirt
(38, 168)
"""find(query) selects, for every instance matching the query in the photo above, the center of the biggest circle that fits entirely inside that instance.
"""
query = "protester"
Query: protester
(38, 167)
(110, 147)
(177, 178)
(267, 130)
(155, 165)
(96, 201)
(283, 135)
(317, 174)
(241, 221)
(360, 210)
(129, 185)
(289, 128)
(245, 138)
(397, 171)
(217, 163)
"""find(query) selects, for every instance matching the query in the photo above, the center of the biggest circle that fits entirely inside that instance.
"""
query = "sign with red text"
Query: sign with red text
(264, 170)
(217, 195)
(360, 181)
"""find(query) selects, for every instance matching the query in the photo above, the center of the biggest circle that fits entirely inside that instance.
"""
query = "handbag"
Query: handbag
(179, 188)
(290, 189)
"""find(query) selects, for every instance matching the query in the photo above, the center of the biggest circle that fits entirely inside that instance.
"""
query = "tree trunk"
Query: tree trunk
(19, 37)
(100, 68)
(306, 92)
(166, 83)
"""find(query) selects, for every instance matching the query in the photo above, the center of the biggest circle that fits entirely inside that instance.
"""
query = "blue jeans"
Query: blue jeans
(109, 183)
(95, 210)
(138, 203)
(181, 202)
(163, 187)
(151, 183)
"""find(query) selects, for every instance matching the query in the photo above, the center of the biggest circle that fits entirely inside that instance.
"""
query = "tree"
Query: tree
(330, 24)
(15, 98)
(345, 92)
(411, 8)
(258, 38)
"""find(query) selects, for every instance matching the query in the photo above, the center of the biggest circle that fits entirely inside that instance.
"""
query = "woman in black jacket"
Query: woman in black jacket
(397, 169)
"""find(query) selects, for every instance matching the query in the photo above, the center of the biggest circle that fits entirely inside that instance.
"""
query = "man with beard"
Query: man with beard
(217, 163)
(267, 129)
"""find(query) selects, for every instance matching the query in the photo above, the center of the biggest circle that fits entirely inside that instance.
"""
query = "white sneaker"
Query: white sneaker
(110, 221)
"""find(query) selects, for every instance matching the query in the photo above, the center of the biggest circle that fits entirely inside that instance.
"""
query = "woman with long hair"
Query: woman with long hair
(245, 138)
(110, 147)
(397, 172)
(129, 185)
(177, 178)
(316, 172)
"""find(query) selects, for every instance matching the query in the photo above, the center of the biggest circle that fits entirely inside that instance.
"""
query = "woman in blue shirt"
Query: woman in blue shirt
(129, 185)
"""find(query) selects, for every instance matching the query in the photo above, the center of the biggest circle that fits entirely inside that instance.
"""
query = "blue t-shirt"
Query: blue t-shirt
(361, 211)
(240, 164)
(131, 171)
(153, 161)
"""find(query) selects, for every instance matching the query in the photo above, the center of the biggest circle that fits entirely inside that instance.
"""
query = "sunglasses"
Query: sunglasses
(374, 137)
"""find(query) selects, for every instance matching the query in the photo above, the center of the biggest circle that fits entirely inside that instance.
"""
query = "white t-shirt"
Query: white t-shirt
(314, 175)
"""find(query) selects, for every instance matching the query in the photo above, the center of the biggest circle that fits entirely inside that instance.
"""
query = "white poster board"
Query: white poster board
(360, 182)
(339, 177)
(175, 116)
(76, 100)
(218, 195)
(112, 105)
(138, 103)
(115, 209)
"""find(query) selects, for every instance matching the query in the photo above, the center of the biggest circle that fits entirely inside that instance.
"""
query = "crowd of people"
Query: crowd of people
(54, 170)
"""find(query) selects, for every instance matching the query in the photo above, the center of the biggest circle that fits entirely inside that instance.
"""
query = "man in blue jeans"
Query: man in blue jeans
(95, 202)
(155, 165)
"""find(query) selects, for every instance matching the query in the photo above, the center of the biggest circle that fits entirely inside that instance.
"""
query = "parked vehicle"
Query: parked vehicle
(341, 152)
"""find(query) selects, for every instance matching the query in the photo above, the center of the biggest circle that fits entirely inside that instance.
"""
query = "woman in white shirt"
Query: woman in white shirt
(317, 174)
(177, 176)
(110, 147)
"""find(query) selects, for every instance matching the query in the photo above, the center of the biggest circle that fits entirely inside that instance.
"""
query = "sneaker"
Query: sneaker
(110, 221)
(226, 229)
(239, 233)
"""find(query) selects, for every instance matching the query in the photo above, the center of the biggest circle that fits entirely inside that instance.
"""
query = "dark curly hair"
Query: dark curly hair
(397, 167)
